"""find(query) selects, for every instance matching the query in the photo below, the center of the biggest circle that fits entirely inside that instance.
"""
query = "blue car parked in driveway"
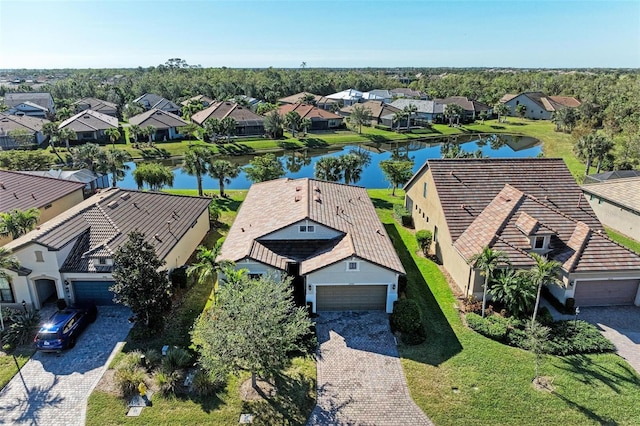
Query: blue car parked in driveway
(63, 328)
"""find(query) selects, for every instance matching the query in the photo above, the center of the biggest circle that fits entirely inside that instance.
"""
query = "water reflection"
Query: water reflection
(300, 163)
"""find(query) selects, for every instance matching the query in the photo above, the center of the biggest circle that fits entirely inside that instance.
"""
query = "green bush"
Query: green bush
(175, 359)
(23, 328)
(128, 376)
(565, 338)
(406, 319)
(153, 358)
(167, 382)
(205, 385)
(424, 237)
(403, 216)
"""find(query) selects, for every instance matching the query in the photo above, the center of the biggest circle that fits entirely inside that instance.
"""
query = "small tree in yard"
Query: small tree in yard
(537, 342)
(424, 238)
(139, 283)
(253, 328)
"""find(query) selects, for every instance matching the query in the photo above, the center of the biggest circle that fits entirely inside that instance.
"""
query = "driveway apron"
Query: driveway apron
(52, 389)
(621, 325)
(359, 376)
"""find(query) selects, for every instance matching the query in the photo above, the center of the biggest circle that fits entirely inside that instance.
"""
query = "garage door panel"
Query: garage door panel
(93, 291)
(606, 292)
(351, 298)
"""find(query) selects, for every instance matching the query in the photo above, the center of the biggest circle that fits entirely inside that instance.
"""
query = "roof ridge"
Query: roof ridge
(571, 263)
(555, 209)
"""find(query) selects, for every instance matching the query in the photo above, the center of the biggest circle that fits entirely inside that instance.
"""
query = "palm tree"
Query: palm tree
(397, 118)
(452, 111)
(18, 222)
(67, 135)
(273, 124)
(229, 126)
(515, 291)
(305, 125)
(487, 261)
(213, 128)
(223, 170)
(501, 110)
(329, 169)
(521, 110)
(196, 160)
(586, 148)
(7, 261)
(135, 131)
(114, 135)
(50, 130)
(602, 147)
(150, 132)
(409, 111)
(545, 271)
(292, 121)
(207, 267)
(114, 161)
(564, 119)
(352, 166)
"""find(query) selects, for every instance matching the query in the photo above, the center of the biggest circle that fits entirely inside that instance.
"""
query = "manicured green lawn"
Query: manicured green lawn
(493, 381)
(296, 387)
(623, 240)
(8, 367)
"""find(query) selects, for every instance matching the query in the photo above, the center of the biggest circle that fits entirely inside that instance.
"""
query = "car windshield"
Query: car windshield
(47, 336)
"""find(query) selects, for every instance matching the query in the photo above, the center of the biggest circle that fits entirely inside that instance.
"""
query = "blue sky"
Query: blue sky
(347, 33)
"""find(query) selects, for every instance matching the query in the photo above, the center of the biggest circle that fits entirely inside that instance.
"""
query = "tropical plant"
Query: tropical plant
(113, 161)
(135, 131)
(229, 126)
(537, 342)
(292, 120)
(329, 169)
(224, 171)
(515, 291)
(501, 110)
(352, 166)
(521, 110)
(409, 111)
(213, 128)
(603, 147)
(487, 261)
(196, 161)
(139, 282)
(453, 111)
(155, 175)
(18, 222)
(23, 326)
(191, 108)
(263, 168)
(360, 115)
(565, 119)
(398, 117)
(150, 132)
(397, 172)
(67, 135)
(114, 135)
(544, 272)
(424, 237)
(586, 148)
(273, 124)
(305, 125)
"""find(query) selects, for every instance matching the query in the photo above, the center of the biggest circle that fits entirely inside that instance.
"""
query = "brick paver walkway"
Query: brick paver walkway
(360, 379)
(621, 325)
(52, 389)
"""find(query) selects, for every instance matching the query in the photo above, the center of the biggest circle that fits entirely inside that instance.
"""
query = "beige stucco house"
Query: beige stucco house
(71, 256)
(327, 236)
(521, 206)
(617, 204)
(50, 196)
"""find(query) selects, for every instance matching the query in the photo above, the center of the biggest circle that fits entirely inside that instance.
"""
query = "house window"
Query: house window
(424, 190)
(307, 228)
(102, 261)
(409, 203)
(352, 266)
(538, 243)
(6, 293)
(39, 257)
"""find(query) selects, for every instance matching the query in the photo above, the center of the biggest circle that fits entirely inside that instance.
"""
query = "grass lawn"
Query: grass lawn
(8, 367)
(493, 381)
(623, 240)
(296, 387)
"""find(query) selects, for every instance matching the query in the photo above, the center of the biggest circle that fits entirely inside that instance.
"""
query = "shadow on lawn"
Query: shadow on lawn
(442, 342)
(587, 412)
(292, 403)
(588, 372)
(379, 203)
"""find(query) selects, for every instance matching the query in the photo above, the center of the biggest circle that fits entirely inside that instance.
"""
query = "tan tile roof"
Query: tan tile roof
(89, 121)
(21, 192)
(298, 97)
(157, 118)
(504, 223)
(507, 97)
(566, 101)
(109, 216)
(308, 111)
(221, 110)
(377, 108)
(624, 192)
(274, 205)
(465, 103)
(476, 182)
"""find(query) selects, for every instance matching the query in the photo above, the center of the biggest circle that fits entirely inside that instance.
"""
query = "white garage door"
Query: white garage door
(351, 298)
(606, 292)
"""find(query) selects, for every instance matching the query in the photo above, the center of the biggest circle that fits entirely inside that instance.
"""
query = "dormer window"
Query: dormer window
(307, 228)
(539, 242)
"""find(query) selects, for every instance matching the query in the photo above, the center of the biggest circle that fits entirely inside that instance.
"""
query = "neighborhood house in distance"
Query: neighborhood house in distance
(71, 256)
(521, 206)
(326, 235)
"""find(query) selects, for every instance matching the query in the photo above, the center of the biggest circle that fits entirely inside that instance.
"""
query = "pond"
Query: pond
(300, 163)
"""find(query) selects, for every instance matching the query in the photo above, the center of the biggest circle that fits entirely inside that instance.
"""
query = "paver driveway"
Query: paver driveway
(621, 325)
(360, 379)
(53, 388)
